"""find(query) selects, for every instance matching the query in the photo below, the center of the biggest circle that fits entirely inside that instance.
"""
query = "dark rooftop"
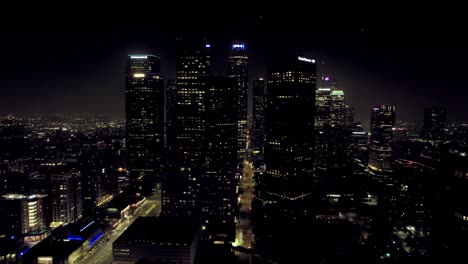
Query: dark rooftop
(56, 248)
(149, 230)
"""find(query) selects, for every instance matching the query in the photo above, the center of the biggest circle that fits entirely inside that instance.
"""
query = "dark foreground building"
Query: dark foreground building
(158, 239)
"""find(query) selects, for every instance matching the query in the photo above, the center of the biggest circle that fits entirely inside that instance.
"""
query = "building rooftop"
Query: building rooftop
(54, 247)
(163, 230)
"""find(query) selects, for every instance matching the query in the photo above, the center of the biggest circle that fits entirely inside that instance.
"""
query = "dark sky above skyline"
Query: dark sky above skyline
(72, 61)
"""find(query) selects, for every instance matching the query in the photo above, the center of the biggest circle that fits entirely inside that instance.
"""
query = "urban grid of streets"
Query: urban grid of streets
(101, 253)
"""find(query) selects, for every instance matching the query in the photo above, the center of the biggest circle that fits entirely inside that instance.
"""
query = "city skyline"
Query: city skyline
(249, 137)
(374, 60)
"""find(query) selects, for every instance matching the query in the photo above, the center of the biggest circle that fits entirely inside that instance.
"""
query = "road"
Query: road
(102, 252)
(244, 234)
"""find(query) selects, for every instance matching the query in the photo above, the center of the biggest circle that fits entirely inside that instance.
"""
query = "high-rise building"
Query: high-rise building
(258, 116)
(359, 144)
(434, 123)
(144, 94)
(66, 197)
(180, 185)
(289, 147)
(381, 138)
(21, 215)
(348, 116)
(218, 183)
(322, 107)
(337, 108)
(238, 68)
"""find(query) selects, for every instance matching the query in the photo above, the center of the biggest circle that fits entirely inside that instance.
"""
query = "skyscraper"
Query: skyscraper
(238, 68)
(434, 123)
(66, 197)
(322, 107)
(144, 96)
(289, 147)
(218, 183)
(337, 108)
(258, 115)
(180, 186)
(381, 138)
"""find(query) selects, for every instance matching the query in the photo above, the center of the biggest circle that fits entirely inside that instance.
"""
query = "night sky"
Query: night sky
(72, 60)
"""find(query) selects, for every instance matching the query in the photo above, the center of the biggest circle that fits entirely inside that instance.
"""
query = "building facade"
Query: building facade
(258, 116)
(238, 68)
(144, 98)
(289, 147)
(66, 197)
(180, 185)
(435, 120)
(381, 138)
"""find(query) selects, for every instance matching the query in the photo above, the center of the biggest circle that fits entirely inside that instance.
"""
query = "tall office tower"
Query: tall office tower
(434, 123)
(322, 107)
(66, 197)
(144, 94)
(348, 116)
(180, 185)
(238, 68)
(258, 116)
(381, 137)
(21, 215)
(337, 108)
(289, 147)
(359, 144)
(218, 183)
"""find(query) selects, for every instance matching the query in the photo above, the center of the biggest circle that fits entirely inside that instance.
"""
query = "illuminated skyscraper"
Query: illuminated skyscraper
(66, 197)
(289, 147)
(434, 123)
(218, 183)
(258, 115)
(337, 108)
(238, 68)
(180, 186)
(322, 107)
(144, 94)
(381, 138)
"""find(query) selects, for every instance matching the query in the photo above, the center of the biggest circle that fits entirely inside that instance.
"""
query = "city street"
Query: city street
(244, 234)
(102, 252)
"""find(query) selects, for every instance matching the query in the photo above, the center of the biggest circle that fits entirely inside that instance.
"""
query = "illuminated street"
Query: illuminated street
(244, 234)
(102, 252)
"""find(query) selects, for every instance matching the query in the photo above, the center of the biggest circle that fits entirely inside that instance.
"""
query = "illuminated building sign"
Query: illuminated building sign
(138, 57)
(306, 59)
(238, 46)
(208, 45)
